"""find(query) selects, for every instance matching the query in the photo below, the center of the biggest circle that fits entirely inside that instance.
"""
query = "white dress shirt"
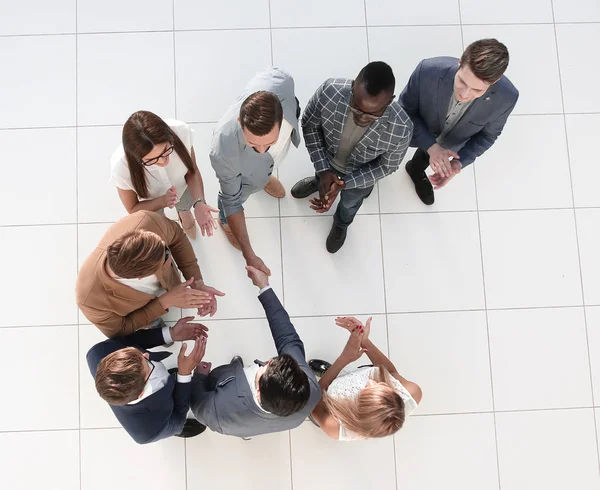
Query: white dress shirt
(280, 149)
(149, 285)
(159, 377)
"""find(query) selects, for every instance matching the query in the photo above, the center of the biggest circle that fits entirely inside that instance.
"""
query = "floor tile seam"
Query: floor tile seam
(289, 27)
(578, 246)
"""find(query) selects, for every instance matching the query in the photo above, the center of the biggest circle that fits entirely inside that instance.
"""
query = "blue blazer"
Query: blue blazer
(164, 412)
(426, 98)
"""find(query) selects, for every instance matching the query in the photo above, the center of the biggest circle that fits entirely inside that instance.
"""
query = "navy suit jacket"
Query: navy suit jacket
(163, 413)
(224, 400)
(426, 98)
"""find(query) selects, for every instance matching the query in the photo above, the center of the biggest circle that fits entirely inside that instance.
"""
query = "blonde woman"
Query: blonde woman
(371, 401)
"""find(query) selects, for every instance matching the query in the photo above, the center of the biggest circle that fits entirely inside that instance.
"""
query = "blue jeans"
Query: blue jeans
(350, 202)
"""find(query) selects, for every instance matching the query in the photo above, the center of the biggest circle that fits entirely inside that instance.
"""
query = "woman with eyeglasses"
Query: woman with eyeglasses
(155, 168)
(371, 401)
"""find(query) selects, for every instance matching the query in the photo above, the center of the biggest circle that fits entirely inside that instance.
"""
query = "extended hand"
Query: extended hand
(439, 159)
(170, 197)
(329, 187)
(185, 365)
(350, 323)
(259, 278)
(205, 220)
(185, 330)
(257, 263)
(210, 308)
(353, 350)
(182, 296)
(439, 181)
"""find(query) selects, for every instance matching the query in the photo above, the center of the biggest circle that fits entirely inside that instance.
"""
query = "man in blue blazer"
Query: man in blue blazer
(149, 402)
(458, 108)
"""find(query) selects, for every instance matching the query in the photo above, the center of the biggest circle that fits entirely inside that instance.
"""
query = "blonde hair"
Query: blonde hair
(377, 411)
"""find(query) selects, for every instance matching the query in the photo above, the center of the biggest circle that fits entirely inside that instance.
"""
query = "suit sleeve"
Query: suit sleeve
(181, 248)
(384, 165)
(113, 325)
(203, 402)
(409, 99)
(312, 130)
(181, 404)
(478, 144)
(284, 334)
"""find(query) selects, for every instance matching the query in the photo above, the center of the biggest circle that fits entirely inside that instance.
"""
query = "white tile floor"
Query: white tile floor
(490, 299)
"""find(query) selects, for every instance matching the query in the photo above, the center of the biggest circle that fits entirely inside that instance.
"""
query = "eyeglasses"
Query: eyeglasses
(167, 253)
(366, 115)
(152, 366)
(154, 161)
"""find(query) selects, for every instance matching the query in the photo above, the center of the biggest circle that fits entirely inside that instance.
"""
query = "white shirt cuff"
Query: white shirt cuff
(184, 378)
(166, 331)
(264, 289)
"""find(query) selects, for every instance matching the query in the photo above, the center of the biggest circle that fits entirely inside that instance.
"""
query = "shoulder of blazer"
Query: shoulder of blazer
(438, 67)
(336, 87)
(505, 90)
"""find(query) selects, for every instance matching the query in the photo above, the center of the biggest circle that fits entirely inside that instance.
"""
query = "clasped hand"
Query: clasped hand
(330, 185)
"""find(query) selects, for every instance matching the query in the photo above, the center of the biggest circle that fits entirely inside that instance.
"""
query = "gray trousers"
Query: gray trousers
(184, 204)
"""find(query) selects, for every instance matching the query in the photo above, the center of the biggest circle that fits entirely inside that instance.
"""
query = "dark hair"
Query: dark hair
(284, 388)
(141, 132)
(377, 77)
(136, 254)
(120, 376)
(487, 58)
(260, 112)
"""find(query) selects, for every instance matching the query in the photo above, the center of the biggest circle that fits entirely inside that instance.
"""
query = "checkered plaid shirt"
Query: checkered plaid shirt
(379, 152)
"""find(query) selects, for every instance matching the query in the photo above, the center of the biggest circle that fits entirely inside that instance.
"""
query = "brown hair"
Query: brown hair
(141, 132)
(487, 58)
(120, 376)
(136, 254)
(377, 411)
(260, 112)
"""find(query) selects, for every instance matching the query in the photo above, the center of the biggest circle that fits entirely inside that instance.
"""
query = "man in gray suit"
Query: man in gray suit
(355, 135)
(459, 108)
(275, 396)
(250, 141)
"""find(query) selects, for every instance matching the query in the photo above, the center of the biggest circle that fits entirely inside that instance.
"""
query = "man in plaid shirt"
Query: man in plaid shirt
(355, 135)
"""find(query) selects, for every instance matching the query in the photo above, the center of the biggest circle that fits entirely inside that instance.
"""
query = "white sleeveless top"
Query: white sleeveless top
(159, 179)
(349, 386)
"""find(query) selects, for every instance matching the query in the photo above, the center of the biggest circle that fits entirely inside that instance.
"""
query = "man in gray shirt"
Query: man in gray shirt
(250, 141)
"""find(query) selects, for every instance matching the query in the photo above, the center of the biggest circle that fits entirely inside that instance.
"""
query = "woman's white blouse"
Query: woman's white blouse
(159, 179)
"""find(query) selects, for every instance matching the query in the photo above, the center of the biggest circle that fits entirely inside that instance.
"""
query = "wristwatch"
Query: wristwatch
(200, 199)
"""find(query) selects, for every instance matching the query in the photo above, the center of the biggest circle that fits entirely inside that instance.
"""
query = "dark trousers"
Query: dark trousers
(420, 161)
(350, 202)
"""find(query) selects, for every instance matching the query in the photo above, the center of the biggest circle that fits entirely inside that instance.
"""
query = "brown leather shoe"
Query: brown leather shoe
(229, 234)
(275, 188)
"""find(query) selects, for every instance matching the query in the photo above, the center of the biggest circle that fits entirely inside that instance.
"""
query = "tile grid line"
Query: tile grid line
(77, 235)
(585, 322)
(284, 28)
(281, 254)
(487, 324)
(116, 125)
(387, 325)
(185, 468)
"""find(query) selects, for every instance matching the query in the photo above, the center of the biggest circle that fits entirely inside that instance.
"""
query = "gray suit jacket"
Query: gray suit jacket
(241, 170)
(426, 98)
(378, 153)
(223, 400)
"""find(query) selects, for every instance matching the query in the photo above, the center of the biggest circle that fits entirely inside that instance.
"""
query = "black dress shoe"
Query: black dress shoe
(304, 188)
(237, 359)
(423, 186)
(319, 366)
(336, 238)
(191, 428)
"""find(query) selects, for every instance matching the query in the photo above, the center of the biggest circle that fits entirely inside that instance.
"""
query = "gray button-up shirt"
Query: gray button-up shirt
(456, 110)
(240, 169)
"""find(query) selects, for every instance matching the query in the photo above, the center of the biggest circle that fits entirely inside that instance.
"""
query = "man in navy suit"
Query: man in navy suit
(149, 402)
(458, 108)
